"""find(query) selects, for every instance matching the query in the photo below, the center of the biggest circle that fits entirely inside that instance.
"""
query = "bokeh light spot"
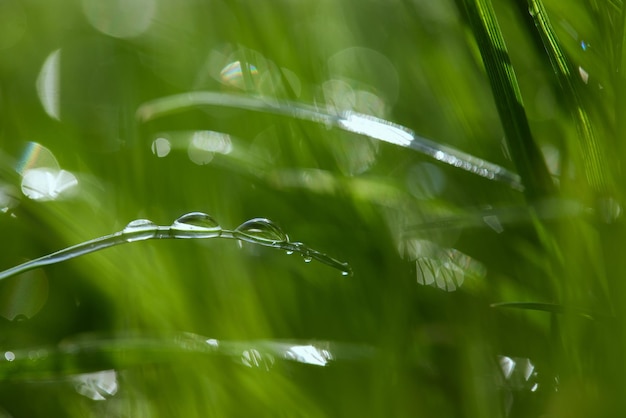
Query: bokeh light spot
(48, 84)
(44, 184)
(204, 144)
(161, 147)
(233, 74)
(120, 18)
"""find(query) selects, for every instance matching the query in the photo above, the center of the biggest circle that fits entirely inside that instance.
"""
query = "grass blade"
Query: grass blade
(590, 149)
(524, 151)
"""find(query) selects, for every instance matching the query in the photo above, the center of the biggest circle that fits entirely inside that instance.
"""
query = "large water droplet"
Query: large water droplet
(196, 225)
(261, 231)
(140, 229)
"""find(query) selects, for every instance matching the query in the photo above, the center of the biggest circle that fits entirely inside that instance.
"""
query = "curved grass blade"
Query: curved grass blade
(523, 149)
(95, 352)
(552, 308)
(194, 225)
(350, 121)
(499, 217)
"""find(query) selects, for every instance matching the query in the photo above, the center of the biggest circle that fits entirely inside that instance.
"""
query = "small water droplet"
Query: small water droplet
(140, 229)
(196, 225)
(345, 273)
(289, 252)
(260, 231)
(584, 45)
(307, 258)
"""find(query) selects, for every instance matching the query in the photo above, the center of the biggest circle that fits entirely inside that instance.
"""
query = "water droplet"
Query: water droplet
(140, 229)
(584, 45)
(307, 258)
(196, 225)
(345, 273)
(289, 252)
(98, 386)
(260, 231)
(584, 75)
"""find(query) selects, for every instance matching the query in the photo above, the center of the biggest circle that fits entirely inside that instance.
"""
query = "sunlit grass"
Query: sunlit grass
(463, 157)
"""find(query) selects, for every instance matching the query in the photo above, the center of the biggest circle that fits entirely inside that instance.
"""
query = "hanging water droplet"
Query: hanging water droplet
(289, 252)
(260, 231)
(140, 229)
(345, 273)
(196, 225)
(307, 258)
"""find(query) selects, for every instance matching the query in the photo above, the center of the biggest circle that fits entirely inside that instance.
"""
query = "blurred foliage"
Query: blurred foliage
(469, 298)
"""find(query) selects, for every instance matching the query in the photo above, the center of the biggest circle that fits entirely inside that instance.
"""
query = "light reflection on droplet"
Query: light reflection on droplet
(253, 358)
(584, 75)
(584, 45)
(609, 210)
(444, 268)
(528, 369)
(518, 373)
(9, 356)
(139, 229)
(493, 222)
(36, 155)
(45, 184)
(376, 128)
(233, 74)
(262, 230)
(195, 225)
(204, 144)
(49, 84)
(354, 155)
(97, 386)
(507, 365)
(309, 354)
(161, 147)
(120, 18)
(552, 157)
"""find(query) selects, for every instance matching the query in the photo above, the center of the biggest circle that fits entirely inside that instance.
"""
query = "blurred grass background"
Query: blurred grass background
(432, 246)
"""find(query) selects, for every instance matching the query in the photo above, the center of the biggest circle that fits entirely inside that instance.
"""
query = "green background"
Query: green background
(431, 246)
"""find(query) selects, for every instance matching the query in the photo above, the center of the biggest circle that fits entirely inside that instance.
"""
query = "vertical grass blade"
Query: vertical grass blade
(590, 149)
(523, 149)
